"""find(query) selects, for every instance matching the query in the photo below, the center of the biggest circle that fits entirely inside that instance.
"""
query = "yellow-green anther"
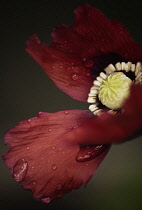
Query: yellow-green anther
(114, 90)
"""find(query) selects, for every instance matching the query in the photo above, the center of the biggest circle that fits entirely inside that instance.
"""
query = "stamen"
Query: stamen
(138, 68)
(97, 112)
(94, 88)
(94, 91)
(110, 69)
(123, 66)
(91, 94)
(118, 66)
(138, 79)
(93, 107)
(128, 66)
(112, 89)
(99, 79)
(96, 82)
(133, 66)
(103, 75)
(91, 100)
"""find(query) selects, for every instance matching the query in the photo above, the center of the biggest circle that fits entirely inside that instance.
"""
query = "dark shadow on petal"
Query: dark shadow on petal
(102, 61)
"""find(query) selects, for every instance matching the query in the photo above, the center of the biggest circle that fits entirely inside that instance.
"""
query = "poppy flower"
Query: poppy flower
(94, 60)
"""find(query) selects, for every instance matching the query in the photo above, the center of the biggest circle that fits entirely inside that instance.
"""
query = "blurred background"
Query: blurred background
(26, 90)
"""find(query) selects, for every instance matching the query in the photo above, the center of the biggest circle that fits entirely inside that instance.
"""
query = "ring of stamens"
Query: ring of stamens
(128, 67)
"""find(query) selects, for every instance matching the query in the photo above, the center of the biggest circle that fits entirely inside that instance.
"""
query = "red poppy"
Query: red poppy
(54, 153)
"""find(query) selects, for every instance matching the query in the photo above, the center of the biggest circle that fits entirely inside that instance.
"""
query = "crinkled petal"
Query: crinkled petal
(105, 35)
(75, 48)
(126, 46)
(110, 128)
(68, 41)
(67, 72)
(42, 159)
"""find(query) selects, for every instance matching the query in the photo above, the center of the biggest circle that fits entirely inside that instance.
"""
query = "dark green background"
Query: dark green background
(26, 90)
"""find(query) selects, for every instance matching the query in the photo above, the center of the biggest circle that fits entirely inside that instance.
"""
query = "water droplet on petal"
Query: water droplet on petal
(76, 70)
(59, 187)
(39, 113)
(49, 129)
(91, 152)
(88, 74)
(74, 76)
(29, 120)
(53, 147)
(65, 112)
(33, 167)
(34, 183)
(60, 195)
(89, 63)
(28, 148)
(45, 199)
(19, 170)
(54, 167)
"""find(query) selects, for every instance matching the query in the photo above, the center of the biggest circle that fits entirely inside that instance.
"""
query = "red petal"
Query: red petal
(68, 73)
(90, 152)
(105, 35)
(108, 128)
(67, 40)
(92, 34)
(126, 46)
(43, 160)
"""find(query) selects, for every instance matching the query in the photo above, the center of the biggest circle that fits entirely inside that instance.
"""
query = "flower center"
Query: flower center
(112, 87)
(114, 90)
